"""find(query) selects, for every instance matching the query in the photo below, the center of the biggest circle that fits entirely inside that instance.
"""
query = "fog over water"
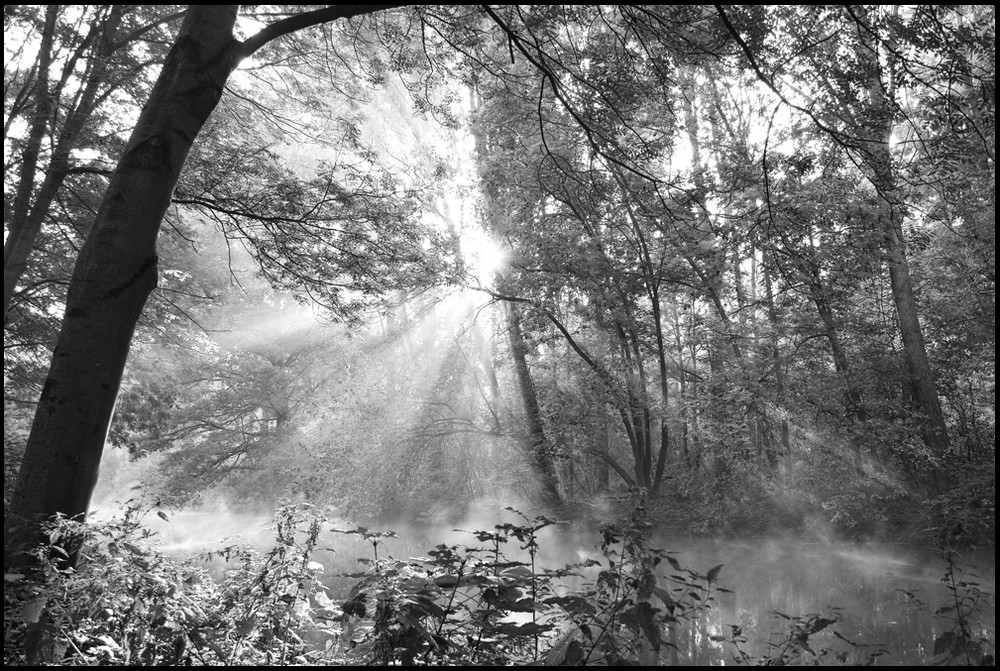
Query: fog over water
(885, 596)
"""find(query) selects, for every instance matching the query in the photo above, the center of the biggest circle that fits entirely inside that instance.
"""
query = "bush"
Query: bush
(127, 604)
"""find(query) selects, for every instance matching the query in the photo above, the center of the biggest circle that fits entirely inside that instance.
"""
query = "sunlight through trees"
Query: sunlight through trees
(411, 262)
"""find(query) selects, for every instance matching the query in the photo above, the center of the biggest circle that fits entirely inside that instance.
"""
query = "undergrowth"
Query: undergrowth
(484, 602)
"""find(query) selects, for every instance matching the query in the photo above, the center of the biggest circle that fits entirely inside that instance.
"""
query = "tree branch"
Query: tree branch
(300, 21)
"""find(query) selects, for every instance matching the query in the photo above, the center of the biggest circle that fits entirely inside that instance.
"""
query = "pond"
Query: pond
(832, 603)
(889, 601)
(885, 604)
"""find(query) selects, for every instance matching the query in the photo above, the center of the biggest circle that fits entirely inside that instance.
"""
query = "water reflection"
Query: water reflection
(888, 601)
(884, 599)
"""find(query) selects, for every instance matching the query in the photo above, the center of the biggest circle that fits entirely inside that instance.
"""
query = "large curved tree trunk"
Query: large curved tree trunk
(116, 268)
(114, 274)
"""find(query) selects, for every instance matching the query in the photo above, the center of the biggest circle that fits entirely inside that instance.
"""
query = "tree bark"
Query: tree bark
(115, 273)
(917, 364)
(879, 159)
(97, 50)
(650, 477)
(117, 269)
(539, 450)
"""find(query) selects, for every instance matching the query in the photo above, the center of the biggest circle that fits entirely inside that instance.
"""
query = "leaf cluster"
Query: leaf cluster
(128, 604)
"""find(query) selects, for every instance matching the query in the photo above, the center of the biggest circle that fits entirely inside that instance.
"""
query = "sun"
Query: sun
(482, 255)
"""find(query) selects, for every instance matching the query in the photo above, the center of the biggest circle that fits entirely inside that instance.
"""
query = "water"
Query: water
(887, 600)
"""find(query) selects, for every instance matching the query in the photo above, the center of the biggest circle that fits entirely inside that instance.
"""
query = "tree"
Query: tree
(659, 241)
(117, 266)
(861, 111)
(100, 70)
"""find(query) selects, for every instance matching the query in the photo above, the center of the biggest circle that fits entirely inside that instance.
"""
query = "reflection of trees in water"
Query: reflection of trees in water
(883, 598)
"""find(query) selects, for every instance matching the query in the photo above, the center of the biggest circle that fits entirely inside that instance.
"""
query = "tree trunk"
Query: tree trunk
(917, 364)
(778, 370)
(116, 269)
(652, 281)
(115, 273)
(661, 360)
(879, 160)
(15, 257)
(539, 450)
(484, 348)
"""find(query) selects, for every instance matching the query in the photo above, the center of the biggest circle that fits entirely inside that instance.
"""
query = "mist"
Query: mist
(407, 425)
(887, 599)
(501, 334)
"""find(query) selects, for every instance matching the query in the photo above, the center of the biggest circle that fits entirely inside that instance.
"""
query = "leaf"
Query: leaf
(573, 604)
(517, 570)
(134, 549)
(446, 581)
(558, 653)
(666, 598)
(525, 629)
(355, 606)
(324, 601)
(31, 611)
(109, 643)
(246, 625)
(714, 572)
(819, 624)
(162, 515)
(643, 616)
(946, 642)
(508, 597)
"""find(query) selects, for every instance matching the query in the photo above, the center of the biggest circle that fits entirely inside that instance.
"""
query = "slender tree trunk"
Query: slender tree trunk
(678, 349)
(14, 254)
(539, 450)
(652, 282)
(891, 215)
(917, 364)
(636, 415)
(25, 224)
(661, 359)
(778, 371)
(853, 404)
(484, 348)
(604, 439)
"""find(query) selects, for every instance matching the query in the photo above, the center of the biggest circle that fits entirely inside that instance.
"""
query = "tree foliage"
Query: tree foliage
(748, 255)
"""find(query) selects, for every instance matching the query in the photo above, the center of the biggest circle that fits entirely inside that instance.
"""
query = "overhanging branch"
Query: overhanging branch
(300, 21)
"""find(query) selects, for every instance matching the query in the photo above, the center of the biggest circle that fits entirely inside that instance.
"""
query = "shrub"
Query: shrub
(125, 603)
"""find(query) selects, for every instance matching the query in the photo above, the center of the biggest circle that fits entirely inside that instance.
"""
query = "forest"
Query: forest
(594, 333)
